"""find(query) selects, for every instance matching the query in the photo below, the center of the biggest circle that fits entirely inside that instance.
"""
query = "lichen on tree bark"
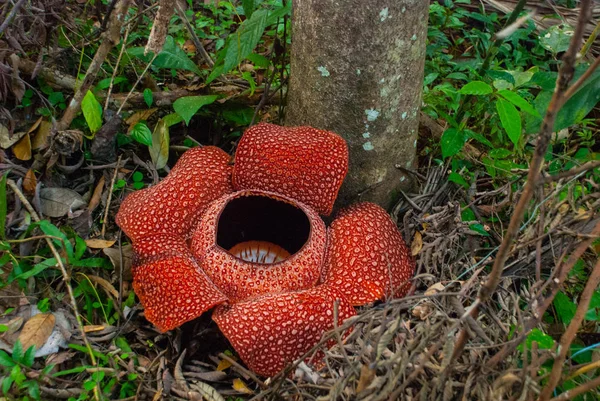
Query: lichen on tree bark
(357, 70)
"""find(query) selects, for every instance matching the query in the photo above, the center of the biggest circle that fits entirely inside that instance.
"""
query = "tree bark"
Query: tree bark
(357, 70)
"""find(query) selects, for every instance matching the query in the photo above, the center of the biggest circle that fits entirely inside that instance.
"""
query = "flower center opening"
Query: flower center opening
(262, 229)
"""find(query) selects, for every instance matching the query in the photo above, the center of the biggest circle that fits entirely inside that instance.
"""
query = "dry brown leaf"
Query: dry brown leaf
(57, 202)
(40, 139)
(35, 125)
(7, 139)
(108, 287)
(240, 386)
(223, 364)
(13, 326)
(115, 258)
(434, 289)
(37, 330)
(366, 377)
(97, 243)
(422, 311)
(57, 359)
(93, 328)
(97, 195)
(22, 149)
(417, 244)
(29, 182)
(139, 116)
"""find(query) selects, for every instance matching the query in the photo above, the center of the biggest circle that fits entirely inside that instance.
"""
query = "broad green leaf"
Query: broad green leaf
(543, 340)
(105, 83)
(277, 13)
(476, 88)
(479, 138)
(3, 207)
(458, 179)
(148, 97)
(50, 229)
(248, 6)
(557, 38)
(510, 119)
(92, 111)
(593, 312)
(17, 353)
(574, 110)
(241, 43)
(500, 153)
(159, 151)
(171, 56)
(565, 308)
(142, 134)
(518, 101)
(172, 119)
(37, 269)
(6, 384)
(480, 229)
(187, 106)
(452, 141)
(259, 60)
(29, 356)
(6, 360)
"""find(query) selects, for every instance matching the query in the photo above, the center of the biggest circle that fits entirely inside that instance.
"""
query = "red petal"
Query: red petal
(304, 163)
(367, 259)
(169, 283)
(240, 279)
(174, 205)
(274, 330)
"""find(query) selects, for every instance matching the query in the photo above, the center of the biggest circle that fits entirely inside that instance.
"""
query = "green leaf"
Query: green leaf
(80, 247)
(458, 179)
(6, 383)
(3, 207)
(171, 56)
(37, 269)
(476, 88)
(50, 229)
(142, 134)
(518, 101)
(29, 357)
(500, 153)
(510, 119)
(148, 97)
(480, 229)
(159, 150)
(248, 6)
(172, 119)
(557, 38)
(137, 177)
(241, 43)
(259, 60)
(593, 312)
(544, 340)
(92, 111)
(17, 353)
(187, 106)
(452, 141)
(565, 308)
(6, 360)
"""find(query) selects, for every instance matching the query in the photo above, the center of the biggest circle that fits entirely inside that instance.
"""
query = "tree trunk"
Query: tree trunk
(357, 70)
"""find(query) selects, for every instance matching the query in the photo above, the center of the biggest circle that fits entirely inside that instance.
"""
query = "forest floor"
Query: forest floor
(484, 101)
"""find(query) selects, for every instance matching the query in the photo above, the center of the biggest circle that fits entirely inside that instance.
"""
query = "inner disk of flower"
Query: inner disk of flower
(262, 229)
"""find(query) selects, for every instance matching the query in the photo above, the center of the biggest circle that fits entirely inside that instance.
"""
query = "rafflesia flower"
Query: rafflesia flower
(246, 239)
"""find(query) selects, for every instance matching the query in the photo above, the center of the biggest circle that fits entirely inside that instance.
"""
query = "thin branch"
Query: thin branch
(11, 15)
(584, 388)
